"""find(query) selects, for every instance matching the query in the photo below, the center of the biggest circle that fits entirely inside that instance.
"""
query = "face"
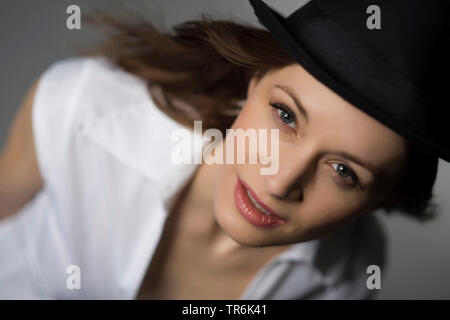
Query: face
(335, 162)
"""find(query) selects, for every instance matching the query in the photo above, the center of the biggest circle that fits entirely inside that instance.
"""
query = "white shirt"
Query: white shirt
(103, 148)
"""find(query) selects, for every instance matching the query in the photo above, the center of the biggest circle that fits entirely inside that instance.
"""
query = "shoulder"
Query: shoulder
(71, 71)
(89, 102)
(76, 86)
(76, 94)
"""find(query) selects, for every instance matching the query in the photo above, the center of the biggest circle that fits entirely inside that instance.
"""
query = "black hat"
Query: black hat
(390, 60)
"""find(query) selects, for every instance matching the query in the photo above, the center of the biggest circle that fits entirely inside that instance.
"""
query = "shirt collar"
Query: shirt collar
(300, 252)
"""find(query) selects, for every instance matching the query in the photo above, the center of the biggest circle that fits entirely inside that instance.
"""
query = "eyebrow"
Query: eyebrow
(357, 160)
(290, 91)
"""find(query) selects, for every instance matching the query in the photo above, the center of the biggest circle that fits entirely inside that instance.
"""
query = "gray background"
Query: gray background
(33, 34)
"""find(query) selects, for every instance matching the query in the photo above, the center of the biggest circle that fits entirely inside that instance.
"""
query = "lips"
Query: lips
(252, 208)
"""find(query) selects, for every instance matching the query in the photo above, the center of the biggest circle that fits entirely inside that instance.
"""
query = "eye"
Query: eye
(345, 173)
(285, 114)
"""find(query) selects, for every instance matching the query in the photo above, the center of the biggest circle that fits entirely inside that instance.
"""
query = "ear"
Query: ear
(252, 84)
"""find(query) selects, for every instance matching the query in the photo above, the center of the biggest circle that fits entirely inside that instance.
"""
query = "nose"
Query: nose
(284, 187)
(290, 180)
(292, 194)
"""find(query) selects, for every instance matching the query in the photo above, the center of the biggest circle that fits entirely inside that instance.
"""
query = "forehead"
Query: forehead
(338, 123)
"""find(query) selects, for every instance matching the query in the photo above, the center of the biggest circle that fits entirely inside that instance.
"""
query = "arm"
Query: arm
(20, 178)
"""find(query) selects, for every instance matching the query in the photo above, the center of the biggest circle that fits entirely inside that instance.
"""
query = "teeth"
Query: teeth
(257, 205)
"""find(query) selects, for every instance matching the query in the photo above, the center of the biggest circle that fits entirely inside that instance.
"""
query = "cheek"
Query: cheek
(225, 173)
(223, 185)
(385, 186)
(223, 194)
(325, 208)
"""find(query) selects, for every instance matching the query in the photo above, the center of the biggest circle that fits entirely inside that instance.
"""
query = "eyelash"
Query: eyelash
(284, 108)
(353, 176)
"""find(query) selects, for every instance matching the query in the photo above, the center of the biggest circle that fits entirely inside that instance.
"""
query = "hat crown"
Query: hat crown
(413, 38)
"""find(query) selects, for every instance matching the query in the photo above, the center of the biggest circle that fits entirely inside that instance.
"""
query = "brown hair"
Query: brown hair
(208, 64)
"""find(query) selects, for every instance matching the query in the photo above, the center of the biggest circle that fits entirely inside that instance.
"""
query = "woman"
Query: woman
(110, 215)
